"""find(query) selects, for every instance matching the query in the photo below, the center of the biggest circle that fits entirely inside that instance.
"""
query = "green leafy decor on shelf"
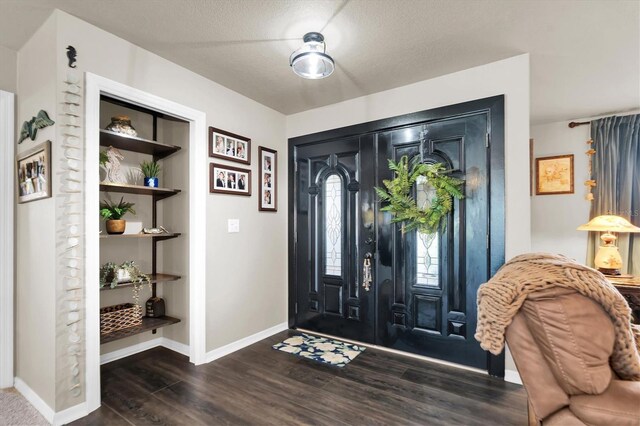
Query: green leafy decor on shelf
(109, 277)
(402, 204)
(112, 211)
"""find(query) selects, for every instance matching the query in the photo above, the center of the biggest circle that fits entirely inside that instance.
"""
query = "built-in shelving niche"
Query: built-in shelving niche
(162, 138)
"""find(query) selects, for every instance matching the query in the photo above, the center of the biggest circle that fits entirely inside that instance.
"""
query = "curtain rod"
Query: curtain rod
(578, 123)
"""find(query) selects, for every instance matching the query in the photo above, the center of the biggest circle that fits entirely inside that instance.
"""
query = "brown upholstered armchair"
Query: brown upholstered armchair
(561, 342)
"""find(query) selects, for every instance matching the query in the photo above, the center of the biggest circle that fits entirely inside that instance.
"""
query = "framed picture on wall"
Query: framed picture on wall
(227, 145)
(229, 180)
(554, 175)
(33, 169)
(268, 179)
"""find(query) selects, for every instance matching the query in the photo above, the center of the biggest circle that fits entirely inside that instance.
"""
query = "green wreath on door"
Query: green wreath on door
(403, 205)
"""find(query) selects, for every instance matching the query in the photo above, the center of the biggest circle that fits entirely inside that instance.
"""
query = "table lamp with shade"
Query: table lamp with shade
(608, 259)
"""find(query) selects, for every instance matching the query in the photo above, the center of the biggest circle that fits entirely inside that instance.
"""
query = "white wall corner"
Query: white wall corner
(70, 414)
(243, 343)
(34, 399)
(7, 205)
(60, 418)
(512, 376)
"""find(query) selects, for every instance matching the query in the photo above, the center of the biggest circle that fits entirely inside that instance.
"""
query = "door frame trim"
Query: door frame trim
(494, 107)
(7, 243)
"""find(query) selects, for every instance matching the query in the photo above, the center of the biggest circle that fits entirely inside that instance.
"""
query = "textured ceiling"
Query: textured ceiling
(585, 55)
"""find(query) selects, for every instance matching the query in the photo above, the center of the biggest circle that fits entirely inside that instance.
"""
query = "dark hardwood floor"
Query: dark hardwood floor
(258, 385)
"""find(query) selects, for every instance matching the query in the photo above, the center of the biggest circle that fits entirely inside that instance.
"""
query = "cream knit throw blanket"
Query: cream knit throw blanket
(500, 299)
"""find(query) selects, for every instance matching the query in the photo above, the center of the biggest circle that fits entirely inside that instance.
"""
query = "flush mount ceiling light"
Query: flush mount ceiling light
(311, 60)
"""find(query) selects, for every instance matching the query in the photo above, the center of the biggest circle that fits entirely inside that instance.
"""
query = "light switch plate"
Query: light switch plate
(233, 225)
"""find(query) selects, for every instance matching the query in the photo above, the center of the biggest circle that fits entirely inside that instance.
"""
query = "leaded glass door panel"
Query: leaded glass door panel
(429, 303)
(332, 233)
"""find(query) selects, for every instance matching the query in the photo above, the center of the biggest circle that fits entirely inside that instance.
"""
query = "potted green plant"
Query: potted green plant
(112, 214)
(112, 274)
(150, 170)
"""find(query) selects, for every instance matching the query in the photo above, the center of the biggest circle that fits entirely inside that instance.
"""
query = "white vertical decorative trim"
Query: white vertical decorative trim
(33, 398)
(69, 245)
(243, 343)
(96, 85)
(92, 242)
(7, 243)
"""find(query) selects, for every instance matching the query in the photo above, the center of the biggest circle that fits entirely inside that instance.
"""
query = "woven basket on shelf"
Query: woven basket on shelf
(117, 317)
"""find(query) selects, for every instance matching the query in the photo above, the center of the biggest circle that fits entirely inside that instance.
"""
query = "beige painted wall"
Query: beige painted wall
(175, 215)
(509, 77)
(8, 70)
(554, 218)
(35, 227)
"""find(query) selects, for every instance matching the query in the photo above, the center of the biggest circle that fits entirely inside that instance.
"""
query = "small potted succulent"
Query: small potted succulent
(112, 213)
(150, 170)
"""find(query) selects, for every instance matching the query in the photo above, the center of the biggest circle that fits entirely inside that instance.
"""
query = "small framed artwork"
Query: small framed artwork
(554, 175)
(229, 180)
(268, 179)
(232, 147)
(33, 169)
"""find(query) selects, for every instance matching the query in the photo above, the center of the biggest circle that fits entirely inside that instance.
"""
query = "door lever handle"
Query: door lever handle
(366, 272)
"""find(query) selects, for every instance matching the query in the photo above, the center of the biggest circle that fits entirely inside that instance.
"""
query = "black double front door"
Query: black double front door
(354, 274)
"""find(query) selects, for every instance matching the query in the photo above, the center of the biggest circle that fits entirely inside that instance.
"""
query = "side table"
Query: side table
(629, 287)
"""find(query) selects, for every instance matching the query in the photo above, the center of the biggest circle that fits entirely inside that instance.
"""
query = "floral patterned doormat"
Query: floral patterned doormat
(321, 349)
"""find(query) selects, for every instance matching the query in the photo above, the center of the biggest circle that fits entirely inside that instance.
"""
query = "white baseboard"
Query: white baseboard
(33, 398)
(70, 414)
(60, 418)
(81, 410)
(181, 348)
(130, 350)
(512, 376)
(242, 343)
(143, 346)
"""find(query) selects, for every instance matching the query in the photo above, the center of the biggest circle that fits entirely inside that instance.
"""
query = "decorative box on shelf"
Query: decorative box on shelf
(118, 317)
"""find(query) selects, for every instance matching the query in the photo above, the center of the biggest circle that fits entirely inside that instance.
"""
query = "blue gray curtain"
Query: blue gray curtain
(616, 169)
